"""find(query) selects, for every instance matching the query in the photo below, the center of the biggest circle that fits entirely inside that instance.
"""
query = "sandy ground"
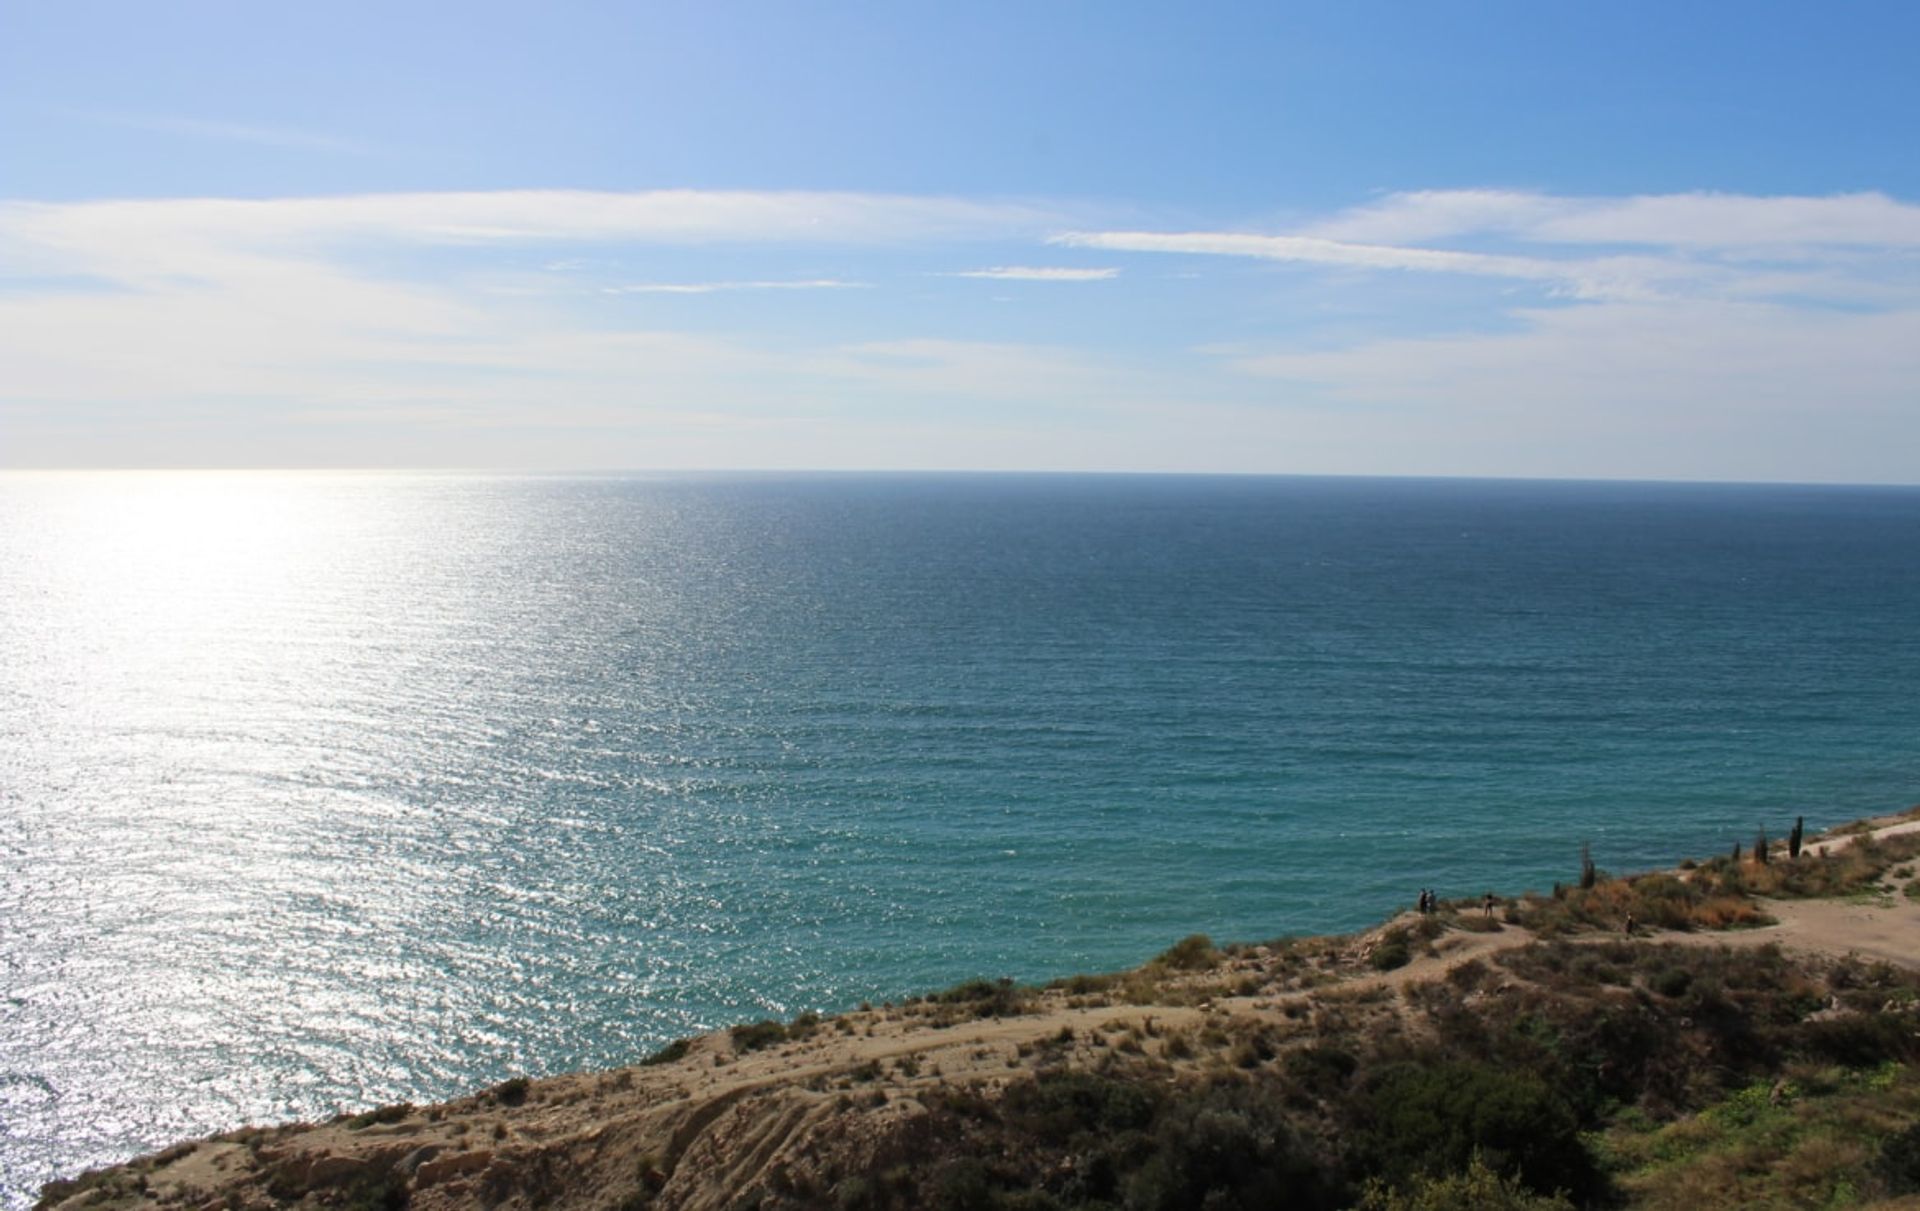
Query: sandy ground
(1882, 926)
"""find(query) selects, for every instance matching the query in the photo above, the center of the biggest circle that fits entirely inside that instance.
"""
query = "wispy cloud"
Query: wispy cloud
(1589, 278)
(1316, 251)
(1685, 220)
(147, 229)
(1678, 334)
(234, 132)
(1039, 273)
(716, 287)
(1621, 249)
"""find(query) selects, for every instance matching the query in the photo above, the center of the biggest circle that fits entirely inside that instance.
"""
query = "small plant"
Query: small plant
(386, 1114)
(1588, 872)
(1794, 837)
(753, 1036)
(675, 1050)
(1195, 952)
(983, 999)
(1760, 847)
(1391, 952)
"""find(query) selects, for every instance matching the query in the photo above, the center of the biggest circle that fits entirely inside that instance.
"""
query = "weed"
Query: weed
(676, 1050)
(1195, 952)
(385, 1114)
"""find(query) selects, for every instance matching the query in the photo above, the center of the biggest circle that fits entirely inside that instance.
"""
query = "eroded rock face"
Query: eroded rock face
(433, 1172)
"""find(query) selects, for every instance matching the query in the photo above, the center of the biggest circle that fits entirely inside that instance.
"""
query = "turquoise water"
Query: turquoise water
(332, 790)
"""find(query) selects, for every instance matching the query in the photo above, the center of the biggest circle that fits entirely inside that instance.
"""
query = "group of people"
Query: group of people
(1430, 903)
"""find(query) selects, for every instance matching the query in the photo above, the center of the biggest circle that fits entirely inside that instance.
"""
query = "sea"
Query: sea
(322, 791)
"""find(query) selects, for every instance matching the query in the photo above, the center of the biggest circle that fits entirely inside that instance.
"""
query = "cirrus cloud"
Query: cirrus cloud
(1039, 273)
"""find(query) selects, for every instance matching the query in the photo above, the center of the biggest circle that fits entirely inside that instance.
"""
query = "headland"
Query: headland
(1736, 1031)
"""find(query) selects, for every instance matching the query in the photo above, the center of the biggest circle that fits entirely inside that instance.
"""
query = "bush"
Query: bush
(1862, 1040)
(1392, 952)
(1084, 985)
(1899, 1162)
(400, 1110)
(1320, 1071)
(986, 998)
(1222, 1156)
(962, 1185)
(675, 1050)
(1477, 1189)
(1431, 1120)
(1672, 982)
(1195, 952)
(1060, 1106)
(755, 1035)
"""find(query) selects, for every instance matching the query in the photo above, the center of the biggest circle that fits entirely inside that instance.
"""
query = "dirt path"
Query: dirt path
(1884, 928)
(1878, 925)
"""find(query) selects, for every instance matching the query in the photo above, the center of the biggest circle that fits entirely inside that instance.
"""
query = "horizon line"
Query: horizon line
(983, 472)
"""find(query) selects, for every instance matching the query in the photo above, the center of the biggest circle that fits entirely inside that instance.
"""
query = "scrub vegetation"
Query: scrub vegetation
(1539, 1057)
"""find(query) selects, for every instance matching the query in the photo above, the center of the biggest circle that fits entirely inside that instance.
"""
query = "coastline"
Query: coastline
(797, 1113)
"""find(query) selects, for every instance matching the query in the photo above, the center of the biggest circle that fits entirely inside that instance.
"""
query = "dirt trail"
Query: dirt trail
(1882, 925)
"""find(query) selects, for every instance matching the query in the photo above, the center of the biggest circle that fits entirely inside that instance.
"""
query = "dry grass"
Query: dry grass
(1658, 901)
(1720, 893)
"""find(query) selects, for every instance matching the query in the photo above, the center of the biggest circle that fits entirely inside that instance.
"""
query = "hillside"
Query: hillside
(1753, 1042)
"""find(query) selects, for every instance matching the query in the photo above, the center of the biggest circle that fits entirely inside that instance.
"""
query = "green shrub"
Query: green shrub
(675, 1050)
(1059, 1106)
(1672, 982)
(986, 998)
(1860, 1040)
(1427, 1120)
(1391, 951)
(390, 1114)
(753, 1036)
(1477, 1189)
(962, 1184)
(1084, 985)
(1195, 952)
(1899, 1161)
(1213, 1155)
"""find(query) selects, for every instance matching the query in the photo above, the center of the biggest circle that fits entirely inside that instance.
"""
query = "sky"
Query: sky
(1622, 240)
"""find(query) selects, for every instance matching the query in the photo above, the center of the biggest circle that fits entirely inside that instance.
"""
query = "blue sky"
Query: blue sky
(1622, 240)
